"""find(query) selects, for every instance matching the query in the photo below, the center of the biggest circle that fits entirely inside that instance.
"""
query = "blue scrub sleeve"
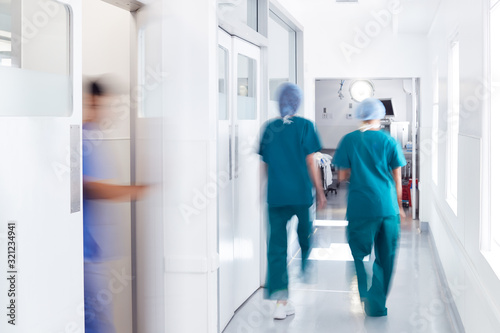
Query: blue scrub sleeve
(341, 158)
(310, 139)
(397, 158)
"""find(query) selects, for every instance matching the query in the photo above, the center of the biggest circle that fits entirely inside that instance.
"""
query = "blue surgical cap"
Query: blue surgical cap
(369, 109)
(290, 97)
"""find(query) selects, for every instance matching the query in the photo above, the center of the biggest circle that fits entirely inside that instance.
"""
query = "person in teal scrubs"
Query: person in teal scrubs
(371, 159)
(287, 147)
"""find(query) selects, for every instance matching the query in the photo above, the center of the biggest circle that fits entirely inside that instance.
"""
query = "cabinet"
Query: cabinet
(399, 130)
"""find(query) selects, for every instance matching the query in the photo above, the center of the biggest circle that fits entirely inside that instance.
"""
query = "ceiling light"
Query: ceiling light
(361, 89)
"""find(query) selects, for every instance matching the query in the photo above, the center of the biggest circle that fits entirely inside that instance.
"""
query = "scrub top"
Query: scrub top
(284, 147)
(101, 219)
(371, 156)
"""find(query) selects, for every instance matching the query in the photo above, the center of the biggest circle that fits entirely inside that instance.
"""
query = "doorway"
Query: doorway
(238, 169)
(334, 112)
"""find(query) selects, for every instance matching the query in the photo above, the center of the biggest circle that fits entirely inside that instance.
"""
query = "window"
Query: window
(247, 88)
(282, 59)
(453, 124)
(35, 58)
(435, 124)
(239, 11)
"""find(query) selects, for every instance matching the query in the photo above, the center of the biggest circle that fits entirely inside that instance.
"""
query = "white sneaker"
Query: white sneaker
(282, 310)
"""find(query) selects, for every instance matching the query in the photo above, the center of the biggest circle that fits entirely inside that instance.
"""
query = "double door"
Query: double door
(238, 173)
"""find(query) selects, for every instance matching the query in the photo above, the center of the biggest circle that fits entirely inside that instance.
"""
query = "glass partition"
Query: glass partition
(35, 58)
(282, 59)
(241, 11)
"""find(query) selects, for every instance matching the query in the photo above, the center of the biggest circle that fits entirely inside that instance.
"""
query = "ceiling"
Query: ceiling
(416, 16)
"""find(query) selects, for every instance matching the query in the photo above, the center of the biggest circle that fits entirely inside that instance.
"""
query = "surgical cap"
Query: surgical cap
(369, 109)
(290, 98)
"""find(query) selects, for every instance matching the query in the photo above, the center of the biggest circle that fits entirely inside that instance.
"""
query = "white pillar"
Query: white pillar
(189, 159)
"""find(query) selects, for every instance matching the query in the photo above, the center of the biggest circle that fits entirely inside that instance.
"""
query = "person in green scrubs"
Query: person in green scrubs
(371, 160)
(287, 147)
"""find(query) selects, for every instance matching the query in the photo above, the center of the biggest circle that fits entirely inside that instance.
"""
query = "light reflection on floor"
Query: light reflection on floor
(330, 223)
(336, 252)
(328, 301)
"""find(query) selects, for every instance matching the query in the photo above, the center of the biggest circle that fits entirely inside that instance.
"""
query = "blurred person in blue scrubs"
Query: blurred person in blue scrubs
(371, 160)
(100, 225)
(287, 147)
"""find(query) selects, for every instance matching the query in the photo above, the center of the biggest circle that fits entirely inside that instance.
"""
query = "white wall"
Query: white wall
(336, 125)
(106, 50)
(458, 237)
(189, 150)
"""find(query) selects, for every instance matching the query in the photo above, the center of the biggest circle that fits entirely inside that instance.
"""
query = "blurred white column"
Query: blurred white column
(189, 158)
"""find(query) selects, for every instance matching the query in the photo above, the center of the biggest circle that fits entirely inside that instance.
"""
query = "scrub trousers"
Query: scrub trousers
(277, 274)
(98, 298)
(383, 234)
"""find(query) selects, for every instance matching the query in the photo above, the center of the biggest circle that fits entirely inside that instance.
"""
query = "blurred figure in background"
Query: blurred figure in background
(287, 147)
(100, 236)
(371, 160)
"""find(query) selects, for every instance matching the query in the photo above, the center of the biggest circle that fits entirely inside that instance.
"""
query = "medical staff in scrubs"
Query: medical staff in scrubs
(287, 147)
(371, 159)
(99, 223)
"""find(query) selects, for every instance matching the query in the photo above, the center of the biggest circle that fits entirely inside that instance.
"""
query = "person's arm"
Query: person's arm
(99, 190)
(344, 175)
(316, 179)
(396, 174)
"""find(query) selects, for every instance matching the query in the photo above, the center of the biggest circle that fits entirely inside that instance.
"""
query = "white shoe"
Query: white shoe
(282, 310)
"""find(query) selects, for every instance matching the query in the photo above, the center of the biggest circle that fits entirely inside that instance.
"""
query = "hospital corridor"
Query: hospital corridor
(249, 166)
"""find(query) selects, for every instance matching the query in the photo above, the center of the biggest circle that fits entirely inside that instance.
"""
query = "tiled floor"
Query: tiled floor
(329, 302)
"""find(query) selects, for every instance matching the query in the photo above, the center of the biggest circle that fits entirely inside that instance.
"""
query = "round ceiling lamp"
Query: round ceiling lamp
(361, 89)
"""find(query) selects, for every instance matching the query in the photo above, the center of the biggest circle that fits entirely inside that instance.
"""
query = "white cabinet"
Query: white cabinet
(399, 131)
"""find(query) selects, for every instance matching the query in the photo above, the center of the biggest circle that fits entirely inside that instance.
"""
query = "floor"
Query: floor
(329, 301)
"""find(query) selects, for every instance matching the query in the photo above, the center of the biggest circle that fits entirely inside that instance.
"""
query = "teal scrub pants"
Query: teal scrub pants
(383, 234)
(277, 274)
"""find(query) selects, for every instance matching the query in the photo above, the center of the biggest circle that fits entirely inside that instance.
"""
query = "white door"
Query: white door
(246, 114)
(238, 173)
(41, 234)
(147, 168)
(225, 159)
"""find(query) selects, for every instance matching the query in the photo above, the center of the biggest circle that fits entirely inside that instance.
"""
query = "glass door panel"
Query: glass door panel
(246, 88)
(35, 53)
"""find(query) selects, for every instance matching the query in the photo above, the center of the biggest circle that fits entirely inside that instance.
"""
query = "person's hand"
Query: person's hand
(402, 212)
(321, 200)
(139, 191)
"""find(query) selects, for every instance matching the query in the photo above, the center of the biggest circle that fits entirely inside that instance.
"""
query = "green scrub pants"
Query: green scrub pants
(383, 234)
(277, 274)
